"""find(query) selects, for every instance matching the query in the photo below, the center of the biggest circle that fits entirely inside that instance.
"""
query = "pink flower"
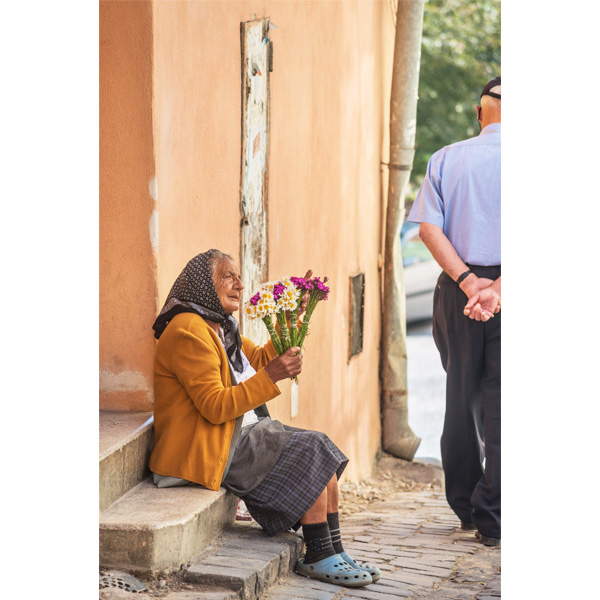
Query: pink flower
(314, 285)
(254, 300)
(278, 289)
(299, 282)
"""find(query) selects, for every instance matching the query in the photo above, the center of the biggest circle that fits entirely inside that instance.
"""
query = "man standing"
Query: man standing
(458, 207)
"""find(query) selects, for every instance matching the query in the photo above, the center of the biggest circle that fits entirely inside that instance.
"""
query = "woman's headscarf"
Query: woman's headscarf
(194, 291)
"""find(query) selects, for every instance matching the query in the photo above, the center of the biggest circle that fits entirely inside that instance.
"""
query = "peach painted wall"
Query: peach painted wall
(337, 89)
(127, 267)
(170, 109)
(329, 105)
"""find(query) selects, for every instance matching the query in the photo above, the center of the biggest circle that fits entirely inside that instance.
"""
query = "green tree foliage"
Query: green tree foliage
(460, 53)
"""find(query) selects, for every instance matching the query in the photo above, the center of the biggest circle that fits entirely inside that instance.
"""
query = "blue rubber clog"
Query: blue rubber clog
(334, 570)
(374, 572)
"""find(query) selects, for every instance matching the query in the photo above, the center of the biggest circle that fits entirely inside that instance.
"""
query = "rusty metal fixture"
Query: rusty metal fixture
(398, 437)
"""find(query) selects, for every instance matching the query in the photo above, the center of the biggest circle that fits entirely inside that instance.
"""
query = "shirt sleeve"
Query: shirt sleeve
(429, 204)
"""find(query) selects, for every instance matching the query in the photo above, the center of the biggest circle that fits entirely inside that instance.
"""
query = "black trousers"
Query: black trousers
(470, 353)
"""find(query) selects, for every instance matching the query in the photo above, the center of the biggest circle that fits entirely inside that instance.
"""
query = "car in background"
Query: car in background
(421, 273)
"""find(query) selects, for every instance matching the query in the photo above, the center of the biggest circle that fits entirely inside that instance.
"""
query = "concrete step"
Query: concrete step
(125, 445)
(245, 560)
(150, 528)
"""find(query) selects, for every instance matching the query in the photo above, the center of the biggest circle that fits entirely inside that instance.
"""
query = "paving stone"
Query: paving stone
(201, 595)
(392, 584)
(394, 527)
(392, 541)
(365, 556)
(367, 594)
(419, 567)
(408, 542)
(393, 550)
(450, 551)
(288, 592)
(437, 561)
(364, 538)
(296, 582)
(388, 591)
(419, 579)
(437, 529)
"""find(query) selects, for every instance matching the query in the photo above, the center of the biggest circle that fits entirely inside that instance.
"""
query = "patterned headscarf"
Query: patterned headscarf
(194, 291)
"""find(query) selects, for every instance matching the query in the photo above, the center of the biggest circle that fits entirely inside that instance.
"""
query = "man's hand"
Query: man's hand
(289, 364)
(472, 284)
(483, 305)
(446, 256)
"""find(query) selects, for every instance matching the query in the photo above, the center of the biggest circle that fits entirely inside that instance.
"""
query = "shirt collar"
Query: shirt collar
(492, 127)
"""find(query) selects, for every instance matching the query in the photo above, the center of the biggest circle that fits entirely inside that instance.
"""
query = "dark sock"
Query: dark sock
(318, 542)
(333, 520)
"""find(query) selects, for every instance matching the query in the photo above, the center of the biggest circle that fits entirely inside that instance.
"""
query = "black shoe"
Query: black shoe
(465, 526)
(487, 541)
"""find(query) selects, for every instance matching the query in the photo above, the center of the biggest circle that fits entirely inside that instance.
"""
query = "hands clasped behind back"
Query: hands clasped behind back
(484, 298)
(289, 364)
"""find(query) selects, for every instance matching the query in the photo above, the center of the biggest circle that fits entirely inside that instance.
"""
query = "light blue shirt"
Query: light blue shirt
(461, 194)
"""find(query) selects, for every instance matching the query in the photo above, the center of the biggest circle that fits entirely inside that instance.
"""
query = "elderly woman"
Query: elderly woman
(212, 427)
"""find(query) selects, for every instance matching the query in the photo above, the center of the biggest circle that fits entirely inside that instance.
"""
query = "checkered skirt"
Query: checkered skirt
(306, 465)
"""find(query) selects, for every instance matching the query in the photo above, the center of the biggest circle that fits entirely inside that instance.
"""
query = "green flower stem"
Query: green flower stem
(284, 332)
(274, 337)
(304, 330)
(294, 326)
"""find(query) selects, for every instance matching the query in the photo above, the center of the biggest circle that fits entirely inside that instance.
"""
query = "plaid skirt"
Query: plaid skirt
(306, 465)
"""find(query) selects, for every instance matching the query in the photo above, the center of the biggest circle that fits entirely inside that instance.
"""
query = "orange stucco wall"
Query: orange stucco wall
(329, 105)
(127, 267)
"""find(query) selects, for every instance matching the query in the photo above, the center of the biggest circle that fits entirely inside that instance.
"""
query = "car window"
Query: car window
(413, 249)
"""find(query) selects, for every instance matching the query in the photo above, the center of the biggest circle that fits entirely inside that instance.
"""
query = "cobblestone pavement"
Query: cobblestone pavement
(398, 519)
(420, 551)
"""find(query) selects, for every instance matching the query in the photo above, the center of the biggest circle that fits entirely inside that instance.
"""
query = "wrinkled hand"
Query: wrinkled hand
(306, 296)
(483, 305)
(289, 364)
(473, 284)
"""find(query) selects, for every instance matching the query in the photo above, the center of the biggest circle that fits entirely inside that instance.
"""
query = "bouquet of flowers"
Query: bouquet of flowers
(278, 298)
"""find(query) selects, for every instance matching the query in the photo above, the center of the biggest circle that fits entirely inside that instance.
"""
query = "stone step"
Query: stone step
(245, 560)
(150, 528)
(125, 445)
(154, 528)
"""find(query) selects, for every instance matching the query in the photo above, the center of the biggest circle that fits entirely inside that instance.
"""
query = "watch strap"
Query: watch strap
(463, 276)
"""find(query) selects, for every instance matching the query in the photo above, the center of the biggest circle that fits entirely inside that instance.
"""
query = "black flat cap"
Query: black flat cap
(492, 83)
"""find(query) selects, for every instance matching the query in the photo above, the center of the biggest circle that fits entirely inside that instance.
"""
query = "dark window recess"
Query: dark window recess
(357, 306)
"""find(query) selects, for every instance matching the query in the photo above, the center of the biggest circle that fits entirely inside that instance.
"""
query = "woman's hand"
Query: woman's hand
(306, 296)
(289, 364)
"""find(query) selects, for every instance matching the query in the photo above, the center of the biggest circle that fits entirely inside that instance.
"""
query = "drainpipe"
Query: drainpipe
(398, 437)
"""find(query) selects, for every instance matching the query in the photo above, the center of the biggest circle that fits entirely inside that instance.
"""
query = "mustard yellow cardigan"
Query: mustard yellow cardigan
(195, 404)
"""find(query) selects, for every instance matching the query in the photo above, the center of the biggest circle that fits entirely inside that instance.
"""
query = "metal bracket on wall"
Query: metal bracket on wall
(356, 319)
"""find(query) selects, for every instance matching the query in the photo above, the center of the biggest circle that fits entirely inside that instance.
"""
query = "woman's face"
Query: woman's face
(229, 286)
